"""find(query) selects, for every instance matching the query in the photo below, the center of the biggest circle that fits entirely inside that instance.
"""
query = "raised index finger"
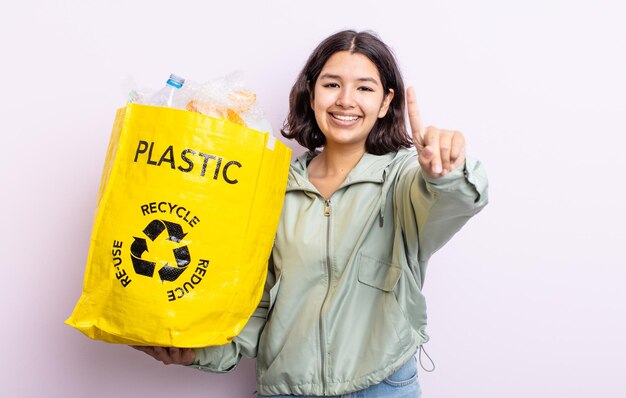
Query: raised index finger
(415, 117)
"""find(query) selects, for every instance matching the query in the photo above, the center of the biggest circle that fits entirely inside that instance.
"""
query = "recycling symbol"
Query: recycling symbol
(140, 246)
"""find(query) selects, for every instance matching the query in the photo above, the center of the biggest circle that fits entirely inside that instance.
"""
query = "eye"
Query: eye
(366, 88)
(331, 85)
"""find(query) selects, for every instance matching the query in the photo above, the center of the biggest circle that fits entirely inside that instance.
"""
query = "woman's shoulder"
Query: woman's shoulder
(404, 159)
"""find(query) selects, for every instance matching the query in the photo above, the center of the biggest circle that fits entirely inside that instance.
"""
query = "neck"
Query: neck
(338, 161)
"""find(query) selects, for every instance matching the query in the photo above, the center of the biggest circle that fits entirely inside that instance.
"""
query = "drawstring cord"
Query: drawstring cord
(422, 349)
(383, 202)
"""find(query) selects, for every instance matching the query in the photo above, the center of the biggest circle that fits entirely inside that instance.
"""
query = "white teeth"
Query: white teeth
(346, 118)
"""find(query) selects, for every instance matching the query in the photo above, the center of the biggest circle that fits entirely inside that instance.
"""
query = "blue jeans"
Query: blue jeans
(401, 384)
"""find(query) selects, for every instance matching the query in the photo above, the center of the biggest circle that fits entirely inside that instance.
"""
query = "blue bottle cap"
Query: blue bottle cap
(176, 81)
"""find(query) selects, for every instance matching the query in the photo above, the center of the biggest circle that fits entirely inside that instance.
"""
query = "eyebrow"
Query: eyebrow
(361, 79)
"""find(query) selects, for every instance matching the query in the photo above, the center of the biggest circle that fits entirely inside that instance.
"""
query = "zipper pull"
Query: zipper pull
(327, 208)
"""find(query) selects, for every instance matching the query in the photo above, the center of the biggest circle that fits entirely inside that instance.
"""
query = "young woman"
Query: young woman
(343, 311)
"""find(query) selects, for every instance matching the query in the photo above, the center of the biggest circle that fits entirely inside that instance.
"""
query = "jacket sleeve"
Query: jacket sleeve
(432, 210)
(221, 359)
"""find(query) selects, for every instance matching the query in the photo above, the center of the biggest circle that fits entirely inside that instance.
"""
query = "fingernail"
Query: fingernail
(437, 169)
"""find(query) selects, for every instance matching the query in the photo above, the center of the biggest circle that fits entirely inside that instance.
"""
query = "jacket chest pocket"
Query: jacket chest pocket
(383, 318)
(378, 274)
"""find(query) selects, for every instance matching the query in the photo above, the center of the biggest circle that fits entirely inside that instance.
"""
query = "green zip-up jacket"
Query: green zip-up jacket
(343, 306)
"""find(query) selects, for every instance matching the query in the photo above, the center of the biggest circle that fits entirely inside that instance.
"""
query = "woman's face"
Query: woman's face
(348, 98)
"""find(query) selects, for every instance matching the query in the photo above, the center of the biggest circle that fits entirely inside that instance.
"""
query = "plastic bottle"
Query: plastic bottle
(165, 96)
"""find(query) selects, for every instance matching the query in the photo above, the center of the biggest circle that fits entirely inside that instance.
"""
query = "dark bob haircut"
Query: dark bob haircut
(389, 134)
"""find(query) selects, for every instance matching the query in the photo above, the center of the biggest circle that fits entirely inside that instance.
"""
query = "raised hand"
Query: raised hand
(170, 355)
(440, 151)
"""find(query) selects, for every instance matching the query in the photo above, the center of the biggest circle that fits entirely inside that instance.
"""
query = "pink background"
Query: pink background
(527, 301)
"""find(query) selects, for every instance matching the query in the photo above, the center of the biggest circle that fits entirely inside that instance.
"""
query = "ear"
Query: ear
(385, 105)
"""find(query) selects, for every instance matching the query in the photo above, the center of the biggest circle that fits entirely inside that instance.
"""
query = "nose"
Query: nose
(345, 98)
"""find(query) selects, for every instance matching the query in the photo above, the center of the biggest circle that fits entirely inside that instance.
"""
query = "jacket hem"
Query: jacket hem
(338, 387)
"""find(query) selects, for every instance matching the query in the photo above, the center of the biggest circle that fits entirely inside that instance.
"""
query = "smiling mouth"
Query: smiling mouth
(345, 118)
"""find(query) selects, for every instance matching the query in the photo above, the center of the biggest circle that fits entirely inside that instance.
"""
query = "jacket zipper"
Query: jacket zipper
(328, 268)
